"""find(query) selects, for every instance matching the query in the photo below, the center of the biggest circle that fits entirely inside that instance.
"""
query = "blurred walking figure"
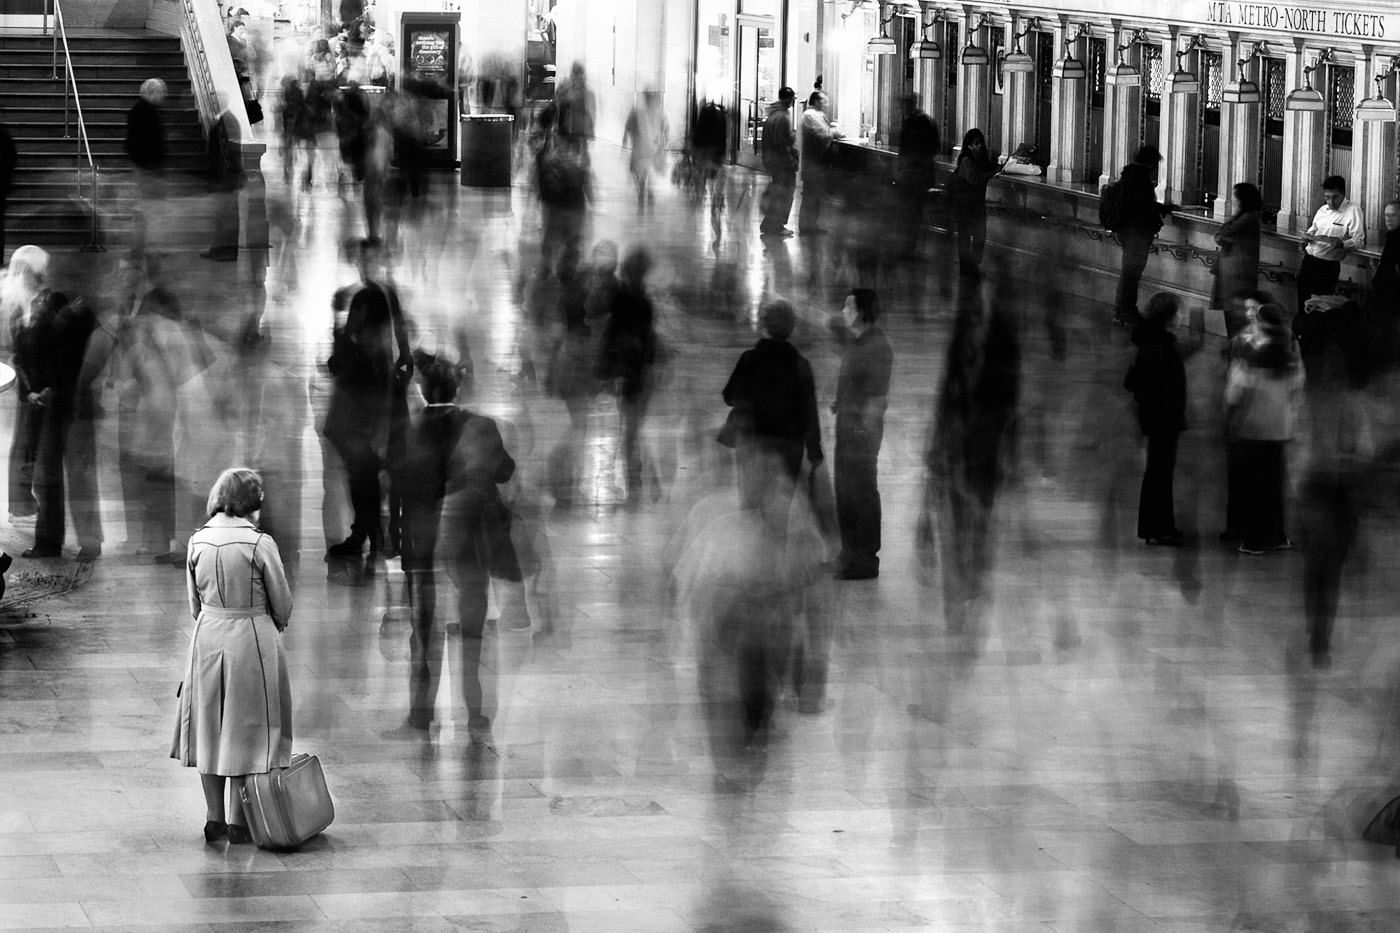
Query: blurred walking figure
(971, 453)
(370, 367)
(647, 132)
(225, 175)
(571, 378)
(1157, 380)
(1261, 397)
(453, 516)
(628, 358)
(862, 395)
(48, 358)
(780, 161)
(709, 151)
(916, 172)
(26, 279)
(575, 109)
(968, 191)
(563, 183)
(145, 147)
(773, 419)
(1237, 269)
(817, 134)
(235, 710)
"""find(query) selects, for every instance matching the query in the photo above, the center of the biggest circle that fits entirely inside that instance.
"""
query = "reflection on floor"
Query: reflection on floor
(1129, 739)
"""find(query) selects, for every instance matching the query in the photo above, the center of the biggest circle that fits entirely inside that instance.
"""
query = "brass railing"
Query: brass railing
(60, 35)
(198, 59)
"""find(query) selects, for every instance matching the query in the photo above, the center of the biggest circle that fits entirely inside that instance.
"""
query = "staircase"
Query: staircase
(47, 205)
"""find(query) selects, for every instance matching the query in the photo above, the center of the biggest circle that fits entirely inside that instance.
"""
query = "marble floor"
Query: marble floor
(1123, 738)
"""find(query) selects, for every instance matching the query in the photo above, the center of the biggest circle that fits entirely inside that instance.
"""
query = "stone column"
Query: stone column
(1239, 132)
(929, 83)
(1303, 141)
(1069, 114)
(1372, 154)
(975, 94)
(1122, 112)
(1180, 134)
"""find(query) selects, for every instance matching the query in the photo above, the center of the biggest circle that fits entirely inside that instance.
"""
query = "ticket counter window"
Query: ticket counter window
(1211, 65)
(1275, 87)
(1044, 45)
(996, 46)
(1154, 83)
(1093, 139)
(1341, 99)
(948, 114)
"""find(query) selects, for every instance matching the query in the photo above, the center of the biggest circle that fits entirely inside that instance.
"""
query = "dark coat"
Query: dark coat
(1157, 380)
(1141, 211)
(629, 341)
(774, 396)
(370, 363)
(968, 187)
(919, 144)
(1237, 271)
(145, 136)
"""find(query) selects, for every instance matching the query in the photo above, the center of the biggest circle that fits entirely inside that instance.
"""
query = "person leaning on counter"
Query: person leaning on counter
(1337, 229)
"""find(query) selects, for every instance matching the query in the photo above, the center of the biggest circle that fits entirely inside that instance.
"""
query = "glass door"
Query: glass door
(756, 86)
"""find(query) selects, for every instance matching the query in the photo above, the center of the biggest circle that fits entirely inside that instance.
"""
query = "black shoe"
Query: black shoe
(350, 547)
(239, 835)
(87, 554)
(857, 573)
(37, 552)
(5, 562)
(214, 831)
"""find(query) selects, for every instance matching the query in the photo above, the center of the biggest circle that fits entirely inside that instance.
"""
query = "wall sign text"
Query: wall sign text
(1320, 20)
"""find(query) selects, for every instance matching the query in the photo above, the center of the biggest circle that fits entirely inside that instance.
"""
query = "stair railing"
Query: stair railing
(60, 35)
(198, 58)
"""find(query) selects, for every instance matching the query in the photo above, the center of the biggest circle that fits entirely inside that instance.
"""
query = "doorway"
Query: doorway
(756, 86)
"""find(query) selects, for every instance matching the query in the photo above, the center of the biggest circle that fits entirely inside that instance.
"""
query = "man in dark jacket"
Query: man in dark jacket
(780, 162)
(1141, 217)
(1157, 380)
(9, 158)
(862, 394)
(774, 397)
(145, 147)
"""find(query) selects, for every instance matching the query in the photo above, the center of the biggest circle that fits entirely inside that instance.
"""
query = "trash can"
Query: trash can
(487, 141)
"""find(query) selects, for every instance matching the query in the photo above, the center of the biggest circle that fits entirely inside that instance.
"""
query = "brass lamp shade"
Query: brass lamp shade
(1123, 75)
(1242, 92)
(1306, 99)
(1071, 69)
(1376, 110)
(925, 50)
(882, 45)
(975, 55)
(1018, 62)
(1184, 82)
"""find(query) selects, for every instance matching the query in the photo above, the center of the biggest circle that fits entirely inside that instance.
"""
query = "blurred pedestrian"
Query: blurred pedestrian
(145, 147)
(1383, 299)
(773, 416)
(818, 134)
(780, 161)
(26, 279)
(862, 395)
(629, 357)
(1237, 267)
(968, 192)
(916, 171)
(235, 703)
(1261, 399)
(225, 175)
(647, 133)
(1157, 380)
(575, 110)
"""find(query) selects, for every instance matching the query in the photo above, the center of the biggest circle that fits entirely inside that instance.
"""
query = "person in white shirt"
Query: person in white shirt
(1336, 230)
(817, 135)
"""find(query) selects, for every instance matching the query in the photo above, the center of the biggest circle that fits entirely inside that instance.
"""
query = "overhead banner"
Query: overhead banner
(1325, 20)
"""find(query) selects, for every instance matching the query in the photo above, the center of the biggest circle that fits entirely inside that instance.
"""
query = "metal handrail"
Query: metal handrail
(203, 75)
(85, 146)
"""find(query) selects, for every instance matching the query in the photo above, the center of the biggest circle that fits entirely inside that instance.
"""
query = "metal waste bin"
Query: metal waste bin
(487, 141)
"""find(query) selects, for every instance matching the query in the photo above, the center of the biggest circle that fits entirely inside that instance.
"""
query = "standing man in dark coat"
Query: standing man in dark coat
(917, 170)
(8, 160)
(780, 162)
(1157, 380)
(145, 147)
(862, 395)
(1141, 218)
(1383, 300)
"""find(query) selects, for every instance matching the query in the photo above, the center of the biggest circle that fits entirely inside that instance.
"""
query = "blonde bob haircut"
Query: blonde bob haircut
(238, 492)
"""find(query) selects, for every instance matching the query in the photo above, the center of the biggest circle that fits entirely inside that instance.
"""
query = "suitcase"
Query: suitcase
(287, 806)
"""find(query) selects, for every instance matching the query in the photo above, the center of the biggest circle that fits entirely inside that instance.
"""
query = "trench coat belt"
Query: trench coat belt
(225, 612)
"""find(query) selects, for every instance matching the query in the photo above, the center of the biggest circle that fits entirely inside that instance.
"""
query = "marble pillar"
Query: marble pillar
(1303, 140)
(1240, 128)
(975, 94)
(1122, 110)
(1373, 154)
(1180, 138)
(1069, 116)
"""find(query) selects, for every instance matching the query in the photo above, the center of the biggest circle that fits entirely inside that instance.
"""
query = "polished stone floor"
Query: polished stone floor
(1129, 738)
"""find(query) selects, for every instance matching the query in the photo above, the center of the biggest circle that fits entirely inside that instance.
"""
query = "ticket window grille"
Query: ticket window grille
(1274, 83)
(1097, 66)
(951, 40)
(1341, 99)
(996, 44)
(1155, 80)
(1044, 94)
(1211, 66)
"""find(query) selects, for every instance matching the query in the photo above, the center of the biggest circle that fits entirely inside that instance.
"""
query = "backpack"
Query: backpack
(1111, 205)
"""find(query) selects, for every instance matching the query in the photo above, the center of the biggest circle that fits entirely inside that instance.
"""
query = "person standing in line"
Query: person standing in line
(780, 162)
(818, 135)
(862, 395)
(1237, 269)
(1140, 218)
(916, 171)
(1261, 393)
(1157, 380)
(235, 707)
(1337, 229)
(968, 189)
(1383, 300)
(9, 160)
(774, 419)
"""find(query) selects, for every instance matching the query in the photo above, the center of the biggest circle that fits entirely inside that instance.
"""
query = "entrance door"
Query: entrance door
(757, 86)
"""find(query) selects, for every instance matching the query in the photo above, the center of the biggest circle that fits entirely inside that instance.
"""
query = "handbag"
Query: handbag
(255, 111)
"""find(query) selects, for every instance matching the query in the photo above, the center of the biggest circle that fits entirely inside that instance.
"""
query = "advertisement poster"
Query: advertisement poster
(429, 72)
